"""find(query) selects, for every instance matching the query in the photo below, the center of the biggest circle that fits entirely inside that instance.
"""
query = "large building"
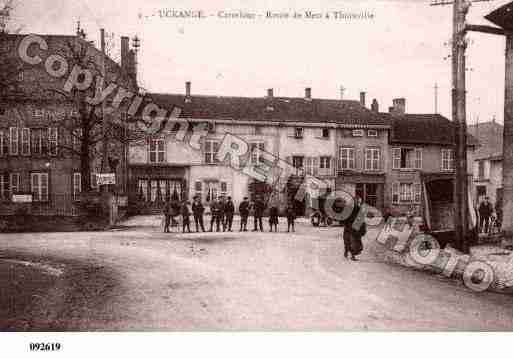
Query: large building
(421, 153)
(39, 137)
(307, 132)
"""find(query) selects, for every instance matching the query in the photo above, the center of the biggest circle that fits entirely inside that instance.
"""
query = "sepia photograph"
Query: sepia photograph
(185, 166)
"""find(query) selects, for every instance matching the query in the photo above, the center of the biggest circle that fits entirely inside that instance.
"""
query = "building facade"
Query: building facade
(488, 161)
(38, 146)
(305, 132)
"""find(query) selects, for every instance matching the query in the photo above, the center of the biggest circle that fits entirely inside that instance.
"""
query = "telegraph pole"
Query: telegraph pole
(104, 119)
(458, 95)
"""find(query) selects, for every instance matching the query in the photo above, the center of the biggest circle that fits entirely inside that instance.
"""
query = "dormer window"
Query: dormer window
(357, 133)
(372, 133)
(298, 132)
(325, 133)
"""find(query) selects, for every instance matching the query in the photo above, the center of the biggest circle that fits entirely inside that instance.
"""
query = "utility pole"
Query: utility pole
(458, 95)
(104, 119)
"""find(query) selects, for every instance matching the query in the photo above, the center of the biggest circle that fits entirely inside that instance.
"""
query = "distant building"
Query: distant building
(421, 153)
(487, 166)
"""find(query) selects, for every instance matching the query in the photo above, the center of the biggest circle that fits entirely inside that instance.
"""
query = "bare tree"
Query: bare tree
(85, 128)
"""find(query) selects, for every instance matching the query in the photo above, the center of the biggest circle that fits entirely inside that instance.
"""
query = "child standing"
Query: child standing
(291, 217)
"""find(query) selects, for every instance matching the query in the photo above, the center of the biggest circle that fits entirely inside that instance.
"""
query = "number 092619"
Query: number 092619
(45, 346)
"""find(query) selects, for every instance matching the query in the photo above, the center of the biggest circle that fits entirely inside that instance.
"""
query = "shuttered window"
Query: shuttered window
(39, 186)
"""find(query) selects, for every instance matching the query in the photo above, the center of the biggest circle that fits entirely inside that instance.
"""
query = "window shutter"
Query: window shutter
(418, 158)
(44, 186)
(15, 182)
(332, 166)
(396, 158)
(315, 165)
(13, 138)
(417, 188)
(395, 192)
(25, 141)
(34, 183)
(53, 140)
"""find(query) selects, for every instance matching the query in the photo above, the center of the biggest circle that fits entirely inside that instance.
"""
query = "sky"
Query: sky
(401, 52)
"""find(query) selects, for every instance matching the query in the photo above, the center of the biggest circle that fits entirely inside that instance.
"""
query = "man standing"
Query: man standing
(197, 211)
(167, 216)
(186, 216)
(215, 215)
(222, 217)
(258, 208)
(229, 209)
(244, 213)
(485, 212)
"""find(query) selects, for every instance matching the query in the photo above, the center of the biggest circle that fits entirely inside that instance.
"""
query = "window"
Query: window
(211, 148)
(325, 166)
(94, 181)
(325, 133)
(52, 141)
(4, 187)
(77, 185)
(372, 133)
(20, 76)
(15, 182)
(77, 138)
(143, 190)
(37, 113)
(224, 189)
(258, 130)
(198, 189)
(39, 141)
(257, 149)
(156, 151)
(372, 159)
(39, 186)
(211, 127)
(406, 192)
(357, 133)
(212, 190)
(25, 141)
(447, 159)
(407, 158)
(481, 170)
(13, 138)
(311, 165)
(298, 162)
(298, 132)
(347, 158)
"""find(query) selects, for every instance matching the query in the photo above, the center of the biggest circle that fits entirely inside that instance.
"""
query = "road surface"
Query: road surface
(141, 279)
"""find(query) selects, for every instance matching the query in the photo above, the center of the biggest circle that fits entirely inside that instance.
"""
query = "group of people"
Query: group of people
(222, 211)
(489, 216)
(221, 214)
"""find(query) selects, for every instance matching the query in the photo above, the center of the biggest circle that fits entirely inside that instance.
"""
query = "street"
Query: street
(142, 279)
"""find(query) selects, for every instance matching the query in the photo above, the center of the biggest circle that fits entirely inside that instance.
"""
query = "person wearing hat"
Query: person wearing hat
(229, 209)
(244, 213)
(197, 212)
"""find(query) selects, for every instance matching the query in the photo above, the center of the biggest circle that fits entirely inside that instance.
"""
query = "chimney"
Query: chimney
(187, 91)
(270, 93)
(342, 90)
(375, 106)
(125, 60)
(362, 98)
(399, 106)
(308, 93)
(391, 109)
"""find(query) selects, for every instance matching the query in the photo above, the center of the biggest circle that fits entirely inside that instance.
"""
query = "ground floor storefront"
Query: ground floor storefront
(369, 187)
